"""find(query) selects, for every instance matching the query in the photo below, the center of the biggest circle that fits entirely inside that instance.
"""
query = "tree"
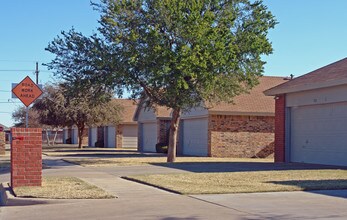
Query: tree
(34, 121)
(177, 54)
(59, 107)
(183, 53)
(19, 116)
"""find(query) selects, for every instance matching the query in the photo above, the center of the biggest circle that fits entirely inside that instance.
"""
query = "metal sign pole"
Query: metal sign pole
(26, 117)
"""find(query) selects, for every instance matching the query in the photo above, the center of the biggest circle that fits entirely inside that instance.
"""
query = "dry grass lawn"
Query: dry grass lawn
(66, 150)
(63, 188)
(246, 182)
(138, 161)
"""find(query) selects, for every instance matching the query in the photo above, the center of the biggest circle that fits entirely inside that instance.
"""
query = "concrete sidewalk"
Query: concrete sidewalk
(137, 201)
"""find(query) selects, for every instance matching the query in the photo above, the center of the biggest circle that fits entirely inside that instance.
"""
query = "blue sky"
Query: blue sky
(310, 34)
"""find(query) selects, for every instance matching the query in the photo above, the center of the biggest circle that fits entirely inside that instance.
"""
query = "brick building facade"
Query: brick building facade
(241, 136)
(244, 128)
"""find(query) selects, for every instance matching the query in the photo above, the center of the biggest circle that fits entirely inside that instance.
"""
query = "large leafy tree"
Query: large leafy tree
(182, 53)
(59, 107)
(174, 53)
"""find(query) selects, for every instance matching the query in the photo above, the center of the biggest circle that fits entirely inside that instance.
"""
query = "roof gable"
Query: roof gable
(150, 113)
(129, 108)
(253, 103)
(331, 75)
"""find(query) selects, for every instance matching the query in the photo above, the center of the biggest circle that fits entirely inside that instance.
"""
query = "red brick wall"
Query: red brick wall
(163, 131)
(2, 143)
(26, 157)
(241, 136)
(280, 128)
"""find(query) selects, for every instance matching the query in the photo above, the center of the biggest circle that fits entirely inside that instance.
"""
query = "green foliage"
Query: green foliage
(80, 63)
(182, 53)
(175, 53)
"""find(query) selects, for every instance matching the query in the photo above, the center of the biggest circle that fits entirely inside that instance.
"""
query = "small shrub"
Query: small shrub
(99, 143)
(68, 141)
(161, 148)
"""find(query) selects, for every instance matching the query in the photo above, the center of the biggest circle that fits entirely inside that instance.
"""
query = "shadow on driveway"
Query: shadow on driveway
(324, 187)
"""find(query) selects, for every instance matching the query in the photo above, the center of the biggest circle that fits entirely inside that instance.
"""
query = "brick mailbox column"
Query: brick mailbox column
(26, 157)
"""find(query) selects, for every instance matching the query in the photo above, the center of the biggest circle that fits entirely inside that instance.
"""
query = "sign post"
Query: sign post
(26, 144)
(27, 91)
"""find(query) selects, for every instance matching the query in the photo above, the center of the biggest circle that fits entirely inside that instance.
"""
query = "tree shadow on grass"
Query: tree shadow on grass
(330, 187)
(215, 167)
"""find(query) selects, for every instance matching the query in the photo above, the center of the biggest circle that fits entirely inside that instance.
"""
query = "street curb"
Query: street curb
(5, 193)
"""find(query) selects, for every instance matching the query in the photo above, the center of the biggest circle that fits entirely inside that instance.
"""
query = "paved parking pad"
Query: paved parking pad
(137, 201)
(330, 204)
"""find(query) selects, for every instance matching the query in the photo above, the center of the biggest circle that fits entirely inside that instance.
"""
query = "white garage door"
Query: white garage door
(149, 135)
(129, 139)
(92, 136)
(319, 134)
(195, 137)
(111, 137)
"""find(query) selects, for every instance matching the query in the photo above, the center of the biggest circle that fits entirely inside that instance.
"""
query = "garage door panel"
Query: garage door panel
(195, 137)
(149, 136)
(319, 134)
(129, 139)
(111, 137)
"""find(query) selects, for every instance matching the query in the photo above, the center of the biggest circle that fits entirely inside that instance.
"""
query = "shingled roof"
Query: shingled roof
(252, 103)
(331, 75)
(129, 108)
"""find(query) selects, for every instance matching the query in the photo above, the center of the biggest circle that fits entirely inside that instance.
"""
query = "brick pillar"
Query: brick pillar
(2, 143)
(280, 106)
(26, 157)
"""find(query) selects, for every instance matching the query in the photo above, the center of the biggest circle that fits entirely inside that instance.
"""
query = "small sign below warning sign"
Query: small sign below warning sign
(27, 91)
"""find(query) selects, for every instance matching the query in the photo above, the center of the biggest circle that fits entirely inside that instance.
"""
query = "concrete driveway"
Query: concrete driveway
(137, 201)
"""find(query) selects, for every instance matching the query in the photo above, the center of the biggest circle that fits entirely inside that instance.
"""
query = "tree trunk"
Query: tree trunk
(80, 136)
(171, 154)
(47, 136)
(55, 137)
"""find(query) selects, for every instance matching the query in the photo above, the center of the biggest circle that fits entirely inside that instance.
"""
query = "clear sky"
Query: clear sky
(310, 34)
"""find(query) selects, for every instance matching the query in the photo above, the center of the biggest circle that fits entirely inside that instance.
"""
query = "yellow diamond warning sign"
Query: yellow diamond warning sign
(27, 91)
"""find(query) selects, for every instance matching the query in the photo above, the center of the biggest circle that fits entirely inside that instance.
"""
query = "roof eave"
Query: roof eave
(278, 91)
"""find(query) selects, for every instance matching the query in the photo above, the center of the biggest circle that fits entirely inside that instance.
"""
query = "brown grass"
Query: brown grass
(138, 161)
(246, 182)
(63, 188)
